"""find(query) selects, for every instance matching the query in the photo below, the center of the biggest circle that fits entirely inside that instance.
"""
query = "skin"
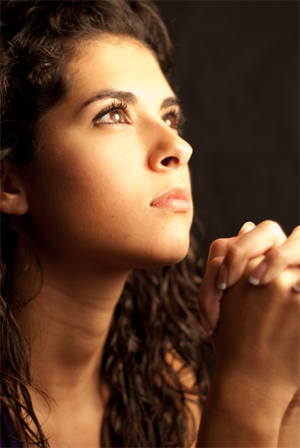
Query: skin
(257, 373)
(89, 218)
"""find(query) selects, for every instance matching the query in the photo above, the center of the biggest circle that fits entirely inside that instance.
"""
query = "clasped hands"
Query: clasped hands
(249, 303)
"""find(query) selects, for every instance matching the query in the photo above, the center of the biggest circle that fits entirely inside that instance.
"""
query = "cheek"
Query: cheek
(87, 188)
(103, 184)
(95, 202)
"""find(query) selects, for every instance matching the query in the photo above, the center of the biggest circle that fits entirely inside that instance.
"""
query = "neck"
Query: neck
(66, 326)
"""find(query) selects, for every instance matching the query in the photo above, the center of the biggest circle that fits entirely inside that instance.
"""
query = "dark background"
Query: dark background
(237, 65)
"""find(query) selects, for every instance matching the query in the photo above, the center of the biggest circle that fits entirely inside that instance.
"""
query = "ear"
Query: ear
(13, 196)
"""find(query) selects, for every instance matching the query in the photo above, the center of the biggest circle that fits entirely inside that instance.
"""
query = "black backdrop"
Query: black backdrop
(237, 68)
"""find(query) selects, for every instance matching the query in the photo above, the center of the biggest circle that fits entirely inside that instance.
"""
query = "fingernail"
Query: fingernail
(258, 273)
(222, 277)
(296, 286)
(206, 325)
(248, 223)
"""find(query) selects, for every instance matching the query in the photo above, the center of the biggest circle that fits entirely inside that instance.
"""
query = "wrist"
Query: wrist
(237, 415)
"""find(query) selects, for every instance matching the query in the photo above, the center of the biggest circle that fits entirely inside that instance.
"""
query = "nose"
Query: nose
(168, 150)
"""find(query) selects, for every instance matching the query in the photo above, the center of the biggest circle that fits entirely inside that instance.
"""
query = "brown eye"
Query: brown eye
(169, 122)
(172, 119)
(115, 116)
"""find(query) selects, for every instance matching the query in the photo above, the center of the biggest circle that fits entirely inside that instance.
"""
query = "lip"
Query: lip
(176, 198)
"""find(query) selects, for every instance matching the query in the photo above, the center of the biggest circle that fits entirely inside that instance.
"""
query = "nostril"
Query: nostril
(169, 160)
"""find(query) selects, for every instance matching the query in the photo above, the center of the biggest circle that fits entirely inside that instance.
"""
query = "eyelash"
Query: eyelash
(178, 116)
(114, 106)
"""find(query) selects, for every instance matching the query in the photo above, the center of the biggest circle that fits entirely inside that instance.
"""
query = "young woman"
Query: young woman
(102, 343)
(108, 362)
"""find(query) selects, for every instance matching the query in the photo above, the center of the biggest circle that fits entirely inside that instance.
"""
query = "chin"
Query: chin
(163, 254)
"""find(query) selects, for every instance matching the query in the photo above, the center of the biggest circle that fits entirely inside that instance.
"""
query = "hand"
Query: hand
(228, 257)
(209, 295)
(280, 252)
(257, 365)
(258, 333)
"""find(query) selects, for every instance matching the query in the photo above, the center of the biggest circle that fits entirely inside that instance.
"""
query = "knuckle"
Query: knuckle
(276, 256)
(273, 226)
(296, 230)
(217, 246)
(234, 252)
(282, 285)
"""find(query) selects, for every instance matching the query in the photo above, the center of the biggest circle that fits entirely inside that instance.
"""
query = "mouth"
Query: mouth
(175, 198)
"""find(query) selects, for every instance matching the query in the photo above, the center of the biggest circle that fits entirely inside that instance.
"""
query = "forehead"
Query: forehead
(121, 63)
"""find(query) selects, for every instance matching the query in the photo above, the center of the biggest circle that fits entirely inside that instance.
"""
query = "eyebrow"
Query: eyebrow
(171, 101)
(128, 97)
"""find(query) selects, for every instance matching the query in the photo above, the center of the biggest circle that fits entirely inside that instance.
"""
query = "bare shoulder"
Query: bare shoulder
(188, 379)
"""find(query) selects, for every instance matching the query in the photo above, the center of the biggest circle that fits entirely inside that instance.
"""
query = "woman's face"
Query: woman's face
(102, 170)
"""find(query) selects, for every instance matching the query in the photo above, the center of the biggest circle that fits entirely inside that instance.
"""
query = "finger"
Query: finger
(246, 228)
(247, 246)
(277, 260)
(295, 233)
(209, 297)
(220, 246)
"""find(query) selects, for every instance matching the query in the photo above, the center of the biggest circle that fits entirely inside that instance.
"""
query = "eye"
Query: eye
(175, 119)
(172, 119)
(116, 113)
(112, 117)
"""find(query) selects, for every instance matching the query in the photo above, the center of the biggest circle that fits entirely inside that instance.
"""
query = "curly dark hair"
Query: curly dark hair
(157, 312)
